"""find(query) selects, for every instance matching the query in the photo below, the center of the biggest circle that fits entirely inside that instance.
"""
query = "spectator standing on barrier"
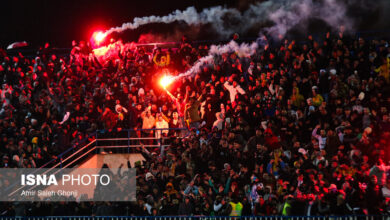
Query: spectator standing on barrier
(180, 105)
(161, 124)
(148, 122)
(175, 123)
(191, 112)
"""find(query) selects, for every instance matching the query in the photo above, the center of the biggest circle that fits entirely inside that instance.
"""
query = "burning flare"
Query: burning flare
(165, 81)
(99, 37)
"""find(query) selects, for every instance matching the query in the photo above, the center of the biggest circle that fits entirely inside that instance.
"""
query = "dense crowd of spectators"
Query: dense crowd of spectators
(295, 129)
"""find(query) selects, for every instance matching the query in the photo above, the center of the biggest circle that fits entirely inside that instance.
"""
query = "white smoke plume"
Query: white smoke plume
(190, 16)
(291, 13)
(284, 14)
(242, 50)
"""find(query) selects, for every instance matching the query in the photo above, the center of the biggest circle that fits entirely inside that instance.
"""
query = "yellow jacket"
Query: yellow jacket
(384, 70)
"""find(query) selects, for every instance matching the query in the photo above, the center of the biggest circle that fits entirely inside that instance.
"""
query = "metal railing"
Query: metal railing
(102, 136)
(80, 150)
(132, 138)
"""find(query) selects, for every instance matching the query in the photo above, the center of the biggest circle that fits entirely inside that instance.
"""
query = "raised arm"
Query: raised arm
(187, 94)
(227, 86)
(271, 89)
(314, 133)
(200, 98)
(172, 96)
(227, 185)
(240, 90)
(144, 112)
(212, 186)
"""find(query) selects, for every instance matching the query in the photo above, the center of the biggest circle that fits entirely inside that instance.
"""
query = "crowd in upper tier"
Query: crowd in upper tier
(298, 128)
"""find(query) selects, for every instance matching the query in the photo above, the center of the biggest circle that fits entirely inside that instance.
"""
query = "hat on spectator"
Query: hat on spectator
(333, 71)
(361, 96)
(34, 140)
(148, 176)
(302, 151)
(141, 91)
(34, 121)
(332, 187)
(16, 158)
(368, 130)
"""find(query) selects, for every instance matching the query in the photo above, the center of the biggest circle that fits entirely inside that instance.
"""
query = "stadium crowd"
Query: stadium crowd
(299, 128)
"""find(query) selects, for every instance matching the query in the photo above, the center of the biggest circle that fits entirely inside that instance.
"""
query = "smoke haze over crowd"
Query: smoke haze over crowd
(62, 22)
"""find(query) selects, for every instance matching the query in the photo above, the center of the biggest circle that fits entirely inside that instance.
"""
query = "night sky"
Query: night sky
(59, 22)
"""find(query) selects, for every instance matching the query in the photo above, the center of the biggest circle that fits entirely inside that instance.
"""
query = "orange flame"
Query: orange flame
(99, 37)
(165, 81)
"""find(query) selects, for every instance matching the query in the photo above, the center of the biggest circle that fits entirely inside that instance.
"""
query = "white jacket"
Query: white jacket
(233, 91)
(161, 124)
